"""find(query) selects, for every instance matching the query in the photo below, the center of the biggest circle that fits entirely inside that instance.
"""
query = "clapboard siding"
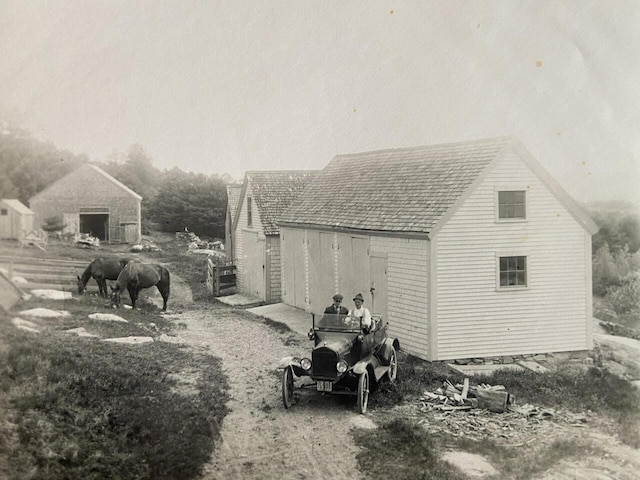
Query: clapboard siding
(407, 280)
(241, 226)
(474, 316)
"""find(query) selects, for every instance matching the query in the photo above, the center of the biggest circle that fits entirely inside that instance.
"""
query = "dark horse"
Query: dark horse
(102, 269)
(136, 276)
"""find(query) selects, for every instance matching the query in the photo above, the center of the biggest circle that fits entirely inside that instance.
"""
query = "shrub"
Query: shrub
(53, 224)
(625, 298)
(609, 269)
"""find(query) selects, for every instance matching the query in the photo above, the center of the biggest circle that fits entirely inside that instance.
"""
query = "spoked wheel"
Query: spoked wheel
(392, 373)
(287, 387)
(363, 392)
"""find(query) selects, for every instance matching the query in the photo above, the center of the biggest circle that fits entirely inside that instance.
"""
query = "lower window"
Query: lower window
(513, 271)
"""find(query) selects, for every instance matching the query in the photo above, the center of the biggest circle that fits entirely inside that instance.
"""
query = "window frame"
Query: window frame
(527, 271)
(499, 219)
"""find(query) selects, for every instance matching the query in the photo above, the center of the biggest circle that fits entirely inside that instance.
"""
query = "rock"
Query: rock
(45, 313)
(129, 340)
(81, 332)
(25, 325)
(51, 294)
(136, 248)
(107, 317)
(170, 339)
(474, 466)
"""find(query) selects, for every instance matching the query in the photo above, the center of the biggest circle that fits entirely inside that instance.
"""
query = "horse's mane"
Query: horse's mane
(86, 275)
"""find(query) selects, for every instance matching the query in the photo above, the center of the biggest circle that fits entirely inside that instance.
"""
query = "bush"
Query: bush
(625, 298)
(53, 224)
(610, 269)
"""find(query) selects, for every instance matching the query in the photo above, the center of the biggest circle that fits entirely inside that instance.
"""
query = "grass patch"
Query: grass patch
(528, 462)
(81, 408)
(401, 450)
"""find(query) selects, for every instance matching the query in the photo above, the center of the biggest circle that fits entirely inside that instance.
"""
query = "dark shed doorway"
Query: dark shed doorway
(96, 224)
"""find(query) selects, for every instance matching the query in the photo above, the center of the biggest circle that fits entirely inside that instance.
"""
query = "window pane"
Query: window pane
(513, 271)
(511, 204)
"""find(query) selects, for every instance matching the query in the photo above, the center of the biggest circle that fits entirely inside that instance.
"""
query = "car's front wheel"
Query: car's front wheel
(392, 373)
(363, 392)
(287, 387)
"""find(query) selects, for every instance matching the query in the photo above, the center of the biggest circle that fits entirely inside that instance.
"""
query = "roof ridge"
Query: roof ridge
(504, 138)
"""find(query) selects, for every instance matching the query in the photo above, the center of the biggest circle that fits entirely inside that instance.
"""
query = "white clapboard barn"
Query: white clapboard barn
(256, 235)
(470, 250)
(16, 219)
(89, 200)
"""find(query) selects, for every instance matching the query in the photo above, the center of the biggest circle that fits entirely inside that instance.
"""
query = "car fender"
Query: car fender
(289, 362)
(360, 367)
(385, 348)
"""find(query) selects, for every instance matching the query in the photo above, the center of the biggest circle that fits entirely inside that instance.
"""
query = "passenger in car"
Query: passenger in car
(361, 312)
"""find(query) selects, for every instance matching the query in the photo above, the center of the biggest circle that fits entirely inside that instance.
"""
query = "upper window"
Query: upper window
(4, 211)
(249, 219)
(511, 204)
(513, 271)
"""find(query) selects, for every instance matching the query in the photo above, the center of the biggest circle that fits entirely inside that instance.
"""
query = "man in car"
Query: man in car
(361, 312)
(336, 308)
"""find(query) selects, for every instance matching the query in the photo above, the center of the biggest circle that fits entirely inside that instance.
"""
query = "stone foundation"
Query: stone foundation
(544, 358)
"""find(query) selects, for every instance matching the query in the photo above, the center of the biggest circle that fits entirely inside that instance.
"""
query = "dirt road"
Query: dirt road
(260, 439)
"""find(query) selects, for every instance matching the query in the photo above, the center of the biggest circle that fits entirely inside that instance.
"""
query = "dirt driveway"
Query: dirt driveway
(260, 439)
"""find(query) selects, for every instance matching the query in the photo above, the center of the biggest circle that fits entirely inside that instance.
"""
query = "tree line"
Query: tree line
(172, 200)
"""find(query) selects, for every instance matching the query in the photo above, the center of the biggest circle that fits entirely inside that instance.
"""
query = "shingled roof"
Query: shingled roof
(274, 191)
(400, 190)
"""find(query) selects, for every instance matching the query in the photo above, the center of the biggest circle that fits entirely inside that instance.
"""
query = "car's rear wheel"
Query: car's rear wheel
(363, 392)
(287, 387)
(392, 373)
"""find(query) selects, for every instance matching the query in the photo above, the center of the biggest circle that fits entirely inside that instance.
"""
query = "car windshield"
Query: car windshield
(335, 322)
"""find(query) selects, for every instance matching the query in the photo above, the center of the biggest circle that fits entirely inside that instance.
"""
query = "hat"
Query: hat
(337, 296)
(358, 297)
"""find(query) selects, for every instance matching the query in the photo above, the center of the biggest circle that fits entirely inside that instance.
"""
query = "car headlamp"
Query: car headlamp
(305, 363)
(341, 366)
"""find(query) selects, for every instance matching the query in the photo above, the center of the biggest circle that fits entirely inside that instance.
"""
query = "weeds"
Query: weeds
(88, 409)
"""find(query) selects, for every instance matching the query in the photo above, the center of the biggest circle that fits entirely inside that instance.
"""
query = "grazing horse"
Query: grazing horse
(102, 269)
(136, 276)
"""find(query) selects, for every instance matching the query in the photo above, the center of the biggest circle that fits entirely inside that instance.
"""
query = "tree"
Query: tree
(194, 201)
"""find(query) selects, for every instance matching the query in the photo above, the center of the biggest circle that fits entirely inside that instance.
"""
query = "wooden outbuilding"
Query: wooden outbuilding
(16, 219)
(470, 250)
(256, 235)
(89, 200)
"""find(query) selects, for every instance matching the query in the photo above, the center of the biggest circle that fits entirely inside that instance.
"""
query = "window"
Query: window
(249, 220)
(511, 204)
(4, 211)
(513, 271)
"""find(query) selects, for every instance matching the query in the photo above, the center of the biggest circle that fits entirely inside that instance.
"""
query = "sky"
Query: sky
(227, 86)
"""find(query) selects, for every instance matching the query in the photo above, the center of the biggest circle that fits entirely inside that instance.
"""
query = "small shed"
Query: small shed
(89, 200)
(16, 219)
(256, 235)
(470, 250)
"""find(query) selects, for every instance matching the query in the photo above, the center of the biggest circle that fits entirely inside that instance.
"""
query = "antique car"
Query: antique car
(346, 359)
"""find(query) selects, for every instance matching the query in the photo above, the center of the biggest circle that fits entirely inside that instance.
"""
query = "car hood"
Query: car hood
(339, 345)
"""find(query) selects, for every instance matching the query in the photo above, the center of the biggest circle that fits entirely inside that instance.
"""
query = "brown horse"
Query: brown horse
(101, 269)
(136, 276)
